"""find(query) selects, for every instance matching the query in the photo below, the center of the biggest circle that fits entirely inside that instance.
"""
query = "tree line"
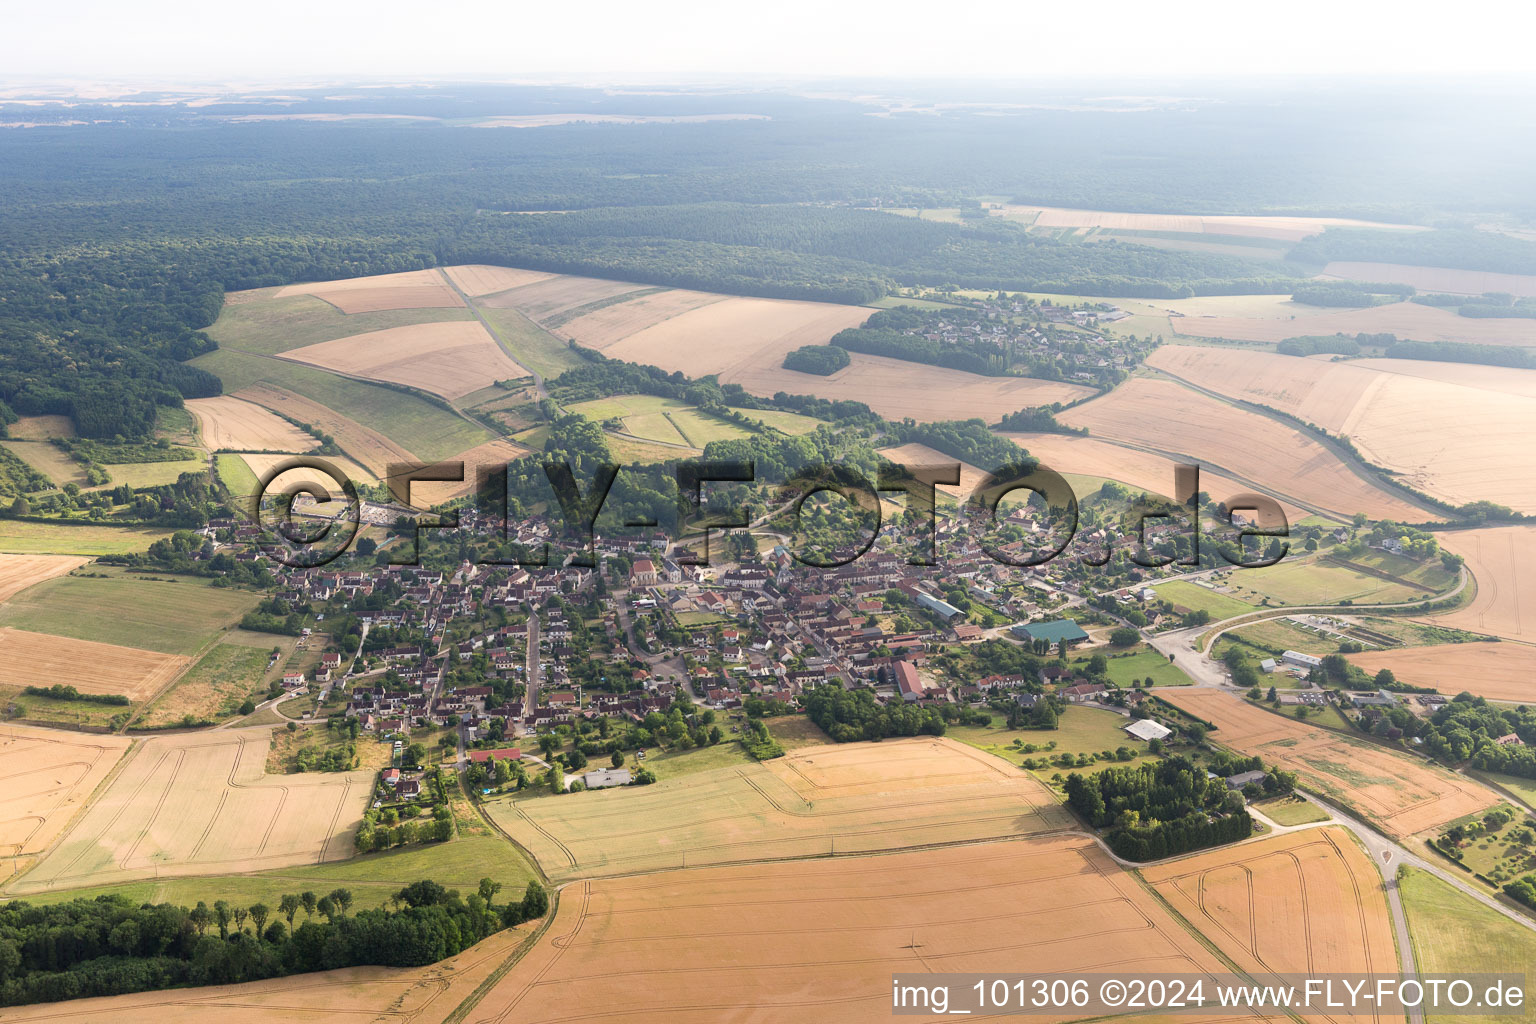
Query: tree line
(111, 945)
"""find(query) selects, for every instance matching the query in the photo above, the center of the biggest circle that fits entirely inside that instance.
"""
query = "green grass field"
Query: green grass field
(71, 714)
(235, 473)
(665, 420)
(88, 538)
(1196, 598)
(52, 462)
(1321, 581)
(1453, 933)
(1080, 731)
(213, 688)
(530, 344)
(428, 430)
(788, 422)
(1133, 668)
(459, 864)
(795, 731)
(268, 325)
(675, 764)
(1280, 634)
(152, 474)
(1524, 789)
(171, 617)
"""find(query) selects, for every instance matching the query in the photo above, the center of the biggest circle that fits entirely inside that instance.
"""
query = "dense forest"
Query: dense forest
(121, 232)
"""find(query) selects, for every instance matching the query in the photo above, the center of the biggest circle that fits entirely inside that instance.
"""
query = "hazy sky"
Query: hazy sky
(167, 39)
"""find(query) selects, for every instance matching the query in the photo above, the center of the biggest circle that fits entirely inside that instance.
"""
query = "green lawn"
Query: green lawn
(1524, 789)
(67, 538)
(677, 763)
(458, 864)
(1279, 635)
(267, 325)
(530, 344)
(662, 419)
(1453, 933)
(428, 430)
(173, 617)
(788, 422)
(1080, 731)
(1196, 598)
(1133, 667)
(1291, 810)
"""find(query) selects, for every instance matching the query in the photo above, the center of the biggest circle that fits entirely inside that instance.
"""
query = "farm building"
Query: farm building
(1242, 779)
(1053, 632)
(1379, 699)
(1146, 729)
(943, 609)
(1268, 665)
(1300, 660)
(907, 684)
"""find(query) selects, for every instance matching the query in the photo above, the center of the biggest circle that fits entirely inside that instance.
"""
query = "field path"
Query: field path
(538, 378)
(1346, 458)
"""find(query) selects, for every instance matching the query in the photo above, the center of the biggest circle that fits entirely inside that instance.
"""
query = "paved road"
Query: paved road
(531, 666)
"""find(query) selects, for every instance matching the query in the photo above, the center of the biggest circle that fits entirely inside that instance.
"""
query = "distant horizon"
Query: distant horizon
(796, 38)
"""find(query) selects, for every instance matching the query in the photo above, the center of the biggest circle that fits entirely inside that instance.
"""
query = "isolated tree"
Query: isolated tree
(617, 759)
(310, 902)
(343, 900)
(21, 506)
(200, 917)
(259, 914)
(288, 906)
(489, 887)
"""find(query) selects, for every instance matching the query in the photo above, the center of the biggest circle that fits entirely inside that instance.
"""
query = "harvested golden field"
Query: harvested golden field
(602, 327)
(1454, 440)
(896, 388)
(1290, 229)
(1485, 378)
(492, 454)
(369, 447)
(1399, 793)
(421, 995)
(1435, 279)
(1503, 560)
(45, 778)
(1299, 903)
(479, 279)
(40, 428)
(1404, 319)
(1503, 671)
(922, 455)
(40, 659)
(237, 425)
(855, 798)
(817, 941)
(736, 334)
(414, 289)
(199, 803)
(558, 295)
(18, 572)
(1254, 450)
(1139, 470)
(448, 359)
